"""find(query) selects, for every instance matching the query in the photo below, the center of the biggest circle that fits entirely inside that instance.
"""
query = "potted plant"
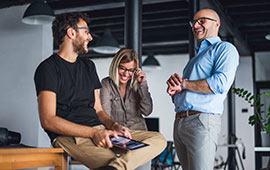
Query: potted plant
(219, 163)
(261, 117)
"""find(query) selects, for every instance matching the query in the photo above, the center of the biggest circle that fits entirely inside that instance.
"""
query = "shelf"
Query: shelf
(262, 149)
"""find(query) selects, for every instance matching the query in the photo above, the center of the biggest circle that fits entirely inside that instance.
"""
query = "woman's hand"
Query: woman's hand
(121, 130)
(140, 75)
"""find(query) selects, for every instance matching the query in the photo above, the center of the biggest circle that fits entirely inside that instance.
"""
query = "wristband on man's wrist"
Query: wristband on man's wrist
(182, 84)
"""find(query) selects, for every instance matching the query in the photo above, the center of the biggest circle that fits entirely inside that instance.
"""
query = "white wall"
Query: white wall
(46, 51)
(21, 51)
(22, 48)
(244, 79)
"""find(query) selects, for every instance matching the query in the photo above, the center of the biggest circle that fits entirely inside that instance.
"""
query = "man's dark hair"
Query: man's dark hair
(64, 21)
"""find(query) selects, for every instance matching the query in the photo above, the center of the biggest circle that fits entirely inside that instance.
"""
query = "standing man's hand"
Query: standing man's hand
(102, 138)
(174, 84)
(140, 75)
(172, 90)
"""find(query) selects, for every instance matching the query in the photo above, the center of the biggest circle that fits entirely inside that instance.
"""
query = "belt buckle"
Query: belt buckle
(187, 113)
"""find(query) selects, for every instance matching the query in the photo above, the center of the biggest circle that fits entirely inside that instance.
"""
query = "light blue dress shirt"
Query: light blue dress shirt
(216, 61)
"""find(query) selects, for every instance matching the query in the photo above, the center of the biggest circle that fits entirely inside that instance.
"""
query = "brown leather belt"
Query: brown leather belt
(183, 114)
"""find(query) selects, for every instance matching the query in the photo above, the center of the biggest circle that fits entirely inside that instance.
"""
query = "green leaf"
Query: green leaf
(260, 105)
(256, 101)
(267, 128)
(252, 120)
(247, 96)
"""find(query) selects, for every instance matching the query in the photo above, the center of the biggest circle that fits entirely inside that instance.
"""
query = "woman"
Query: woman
(124, 94)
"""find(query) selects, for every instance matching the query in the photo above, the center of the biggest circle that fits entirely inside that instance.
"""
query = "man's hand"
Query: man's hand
(172, 90)
(141, 77)
(102, 138)
(121, 131)
(174, 84)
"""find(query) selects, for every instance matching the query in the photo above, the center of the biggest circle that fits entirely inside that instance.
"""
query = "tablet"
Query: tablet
(128, 144)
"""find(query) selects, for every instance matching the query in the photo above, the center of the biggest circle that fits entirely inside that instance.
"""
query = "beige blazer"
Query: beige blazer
(130, 112)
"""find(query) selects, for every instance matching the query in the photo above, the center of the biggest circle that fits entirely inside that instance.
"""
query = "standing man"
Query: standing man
(69, 104)
(198, 96)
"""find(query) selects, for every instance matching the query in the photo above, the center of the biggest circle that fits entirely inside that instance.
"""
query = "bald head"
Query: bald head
(206, 23)
(208, 13)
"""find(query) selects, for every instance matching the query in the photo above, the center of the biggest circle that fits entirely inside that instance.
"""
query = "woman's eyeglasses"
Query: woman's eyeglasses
(124, 69)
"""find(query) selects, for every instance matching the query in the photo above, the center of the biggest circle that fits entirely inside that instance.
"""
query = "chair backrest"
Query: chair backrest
(166, 160)
(166, 156)
(152, 123)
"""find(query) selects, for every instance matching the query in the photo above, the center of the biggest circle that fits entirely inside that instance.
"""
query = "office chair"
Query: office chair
(166, 160)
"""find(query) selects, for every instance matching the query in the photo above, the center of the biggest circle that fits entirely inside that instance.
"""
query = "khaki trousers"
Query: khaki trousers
(85, 151)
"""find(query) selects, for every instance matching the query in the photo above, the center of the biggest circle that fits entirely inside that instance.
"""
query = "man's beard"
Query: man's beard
(78, 46)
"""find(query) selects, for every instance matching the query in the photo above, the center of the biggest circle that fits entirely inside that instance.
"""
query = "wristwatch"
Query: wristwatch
(182, 84)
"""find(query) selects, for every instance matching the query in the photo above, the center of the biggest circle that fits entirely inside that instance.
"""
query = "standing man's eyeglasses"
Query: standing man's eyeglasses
(200, 21)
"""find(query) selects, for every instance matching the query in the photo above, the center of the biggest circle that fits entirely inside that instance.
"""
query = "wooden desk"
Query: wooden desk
(23, 158)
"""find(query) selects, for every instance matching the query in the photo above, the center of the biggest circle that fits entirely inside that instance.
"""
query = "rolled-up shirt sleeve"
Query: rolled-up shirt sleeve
(226, 62)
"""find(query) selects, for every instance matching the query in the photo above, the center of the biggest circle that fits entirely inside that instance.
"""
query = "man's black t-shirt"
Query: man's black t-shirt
(74, 85)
